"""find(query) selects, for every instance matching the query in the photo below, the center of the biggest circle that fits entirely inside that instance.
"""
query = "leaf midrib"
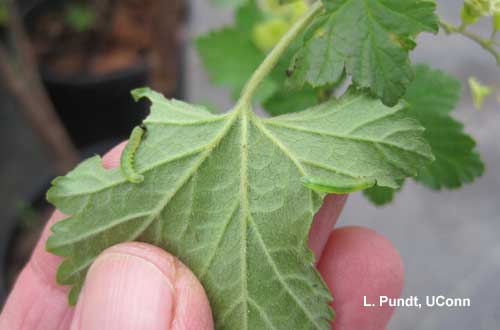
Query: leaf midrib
(245, 210)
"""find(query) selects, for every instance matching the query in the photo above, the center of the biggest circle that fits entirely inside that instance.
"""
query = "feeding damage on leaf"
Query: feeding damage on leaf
(225, 193)
(370, 39)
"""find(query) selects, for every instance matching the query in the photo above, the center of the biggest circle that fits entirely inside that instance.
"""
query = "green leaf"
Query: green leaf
(379, 195)
(432, 92)
(224, 193)
(287, 101)
(4, 14)
(230, 56)
(267, 34)
(496, 20)
(371, 39)
(80, 17)
(237, 46)
(473, 10)
(432, 97)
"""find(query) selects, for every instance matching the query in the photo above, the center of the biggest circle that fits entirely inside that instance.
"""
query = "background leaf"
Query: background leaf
(231, 57)
(431, 98)
(241, 56)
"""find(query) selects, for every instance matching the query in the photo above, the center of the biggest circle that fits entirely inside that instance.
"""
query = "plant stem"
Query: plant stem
(487, 44)
(272, 58)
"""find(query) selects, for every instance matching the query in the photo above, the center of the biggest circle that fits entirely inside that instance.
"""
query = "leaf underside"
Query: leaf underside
(224, 193)
(370, 39)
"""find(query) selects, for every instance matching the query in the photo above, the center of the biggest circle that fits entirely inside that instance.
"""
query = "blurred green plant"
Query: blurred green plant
(473, 10)
(28, 216)
(4, 14)
(479, 92)
(278, 19)
(80, 17)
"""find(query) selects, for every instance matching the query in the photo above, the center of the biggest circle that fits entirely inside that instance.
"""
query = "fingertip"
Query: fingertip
(324, 222)
(139, 286)
(193, 310)
(112, 158)
(358, 262)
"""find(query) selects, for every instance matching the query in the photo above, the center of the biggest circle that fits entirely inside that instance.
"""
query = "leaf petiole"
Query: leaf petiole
(272, 58)
(485, 43)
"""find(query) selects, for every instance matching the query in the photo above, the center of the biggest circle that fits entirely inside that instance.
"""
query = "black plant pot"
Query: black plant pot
(92, 107)
(98, 112)
(96, 108)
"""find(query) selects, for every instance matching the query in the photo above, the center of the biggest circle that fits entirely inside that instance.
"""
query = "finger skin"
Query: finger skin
(138, 286)
(36, 301)
(112, 158)
(358, 262)
(324, 221)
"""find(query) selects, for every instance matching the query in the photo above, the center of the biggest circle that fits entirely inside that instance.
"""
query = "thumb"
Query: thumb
(138, 286)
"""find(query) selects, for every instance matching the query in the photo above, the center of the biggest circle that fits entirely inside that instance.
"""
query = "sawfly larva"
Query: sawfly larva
(127, 161)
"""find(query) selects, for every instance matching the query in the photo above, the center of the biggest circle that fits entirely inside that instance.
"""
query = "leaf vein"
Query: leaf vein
(353, 138)
(280, 277)
(211, 258)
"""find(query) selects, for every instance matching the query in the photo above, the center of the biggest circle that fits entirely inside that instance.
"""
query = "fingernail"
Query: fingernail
(127, 288)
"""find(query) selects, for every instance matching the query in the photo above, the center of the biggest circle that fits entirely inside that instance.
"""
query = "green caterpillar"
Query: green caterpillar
(127, 160)
(333, 188)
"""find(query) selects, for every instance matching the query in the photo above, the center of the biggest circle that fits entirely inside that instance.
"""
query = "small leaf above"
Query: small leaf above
(225, 194)
(370, 39)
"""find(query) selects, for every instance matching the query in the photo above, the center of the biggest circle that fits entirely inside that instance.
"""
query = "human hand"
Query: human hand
(135, 286)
